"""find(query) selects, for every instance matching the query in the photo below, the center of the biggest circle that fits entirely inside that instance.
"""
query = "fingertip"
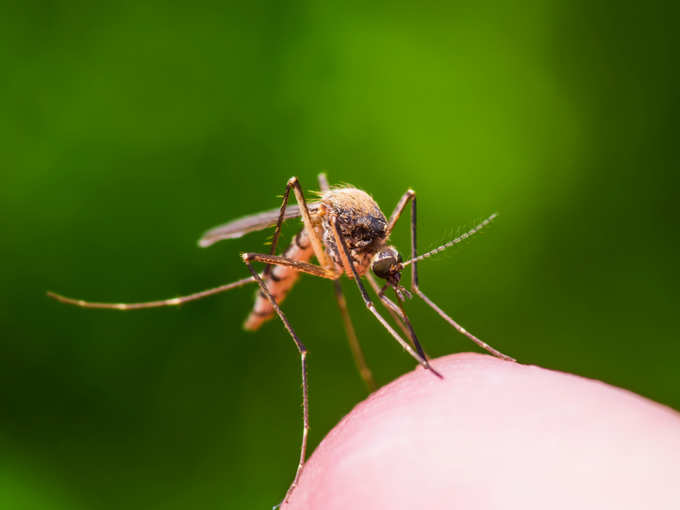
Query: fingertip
(494, 431)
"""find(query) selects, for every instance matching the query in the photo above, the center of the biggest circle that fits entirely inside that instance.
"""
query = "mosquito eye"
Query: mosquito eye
(383, 267)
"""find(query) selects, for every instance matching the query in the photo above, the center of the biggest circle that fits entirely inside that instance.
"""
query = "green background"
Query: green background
(129, 129)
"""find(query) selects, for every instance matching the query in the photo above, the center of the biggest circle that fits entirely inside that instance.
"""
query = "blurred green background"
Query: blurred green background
(129, 129)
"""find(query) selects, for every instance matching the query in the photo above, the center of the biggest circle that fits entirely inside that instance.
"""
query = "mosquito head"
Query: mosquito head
(386, 264)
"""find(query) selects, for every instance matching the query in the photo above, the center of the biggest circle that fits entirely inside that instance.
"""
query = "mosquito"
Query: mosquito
(348, 234)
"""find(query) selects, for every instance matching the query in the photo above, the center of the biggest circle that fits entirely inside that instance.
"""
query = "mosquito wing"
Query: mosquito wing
(252, 223)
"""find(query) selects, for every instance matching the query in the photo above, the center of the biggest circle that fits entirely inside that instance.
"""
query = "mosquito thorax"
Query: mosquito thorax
(386, 264)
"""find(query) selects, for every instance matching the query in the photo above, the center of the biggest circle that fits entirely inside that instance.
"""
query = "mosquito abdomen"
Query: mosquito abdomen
(279, 281)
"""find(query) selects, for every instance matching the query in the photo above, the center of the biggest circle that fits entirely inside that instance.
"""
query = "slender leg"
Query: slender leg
(357, 352)
(347, 262)
(460, 328)
(302, 267)
(277, 230)
(321, 256)
(317, 245)
(354, 345)
(428, 301)
(152, 304)
(401, 205)
(303, 365)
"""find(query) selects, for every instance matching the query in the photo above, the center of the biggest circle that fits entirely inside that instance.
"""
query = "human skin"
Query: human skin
(496, 435)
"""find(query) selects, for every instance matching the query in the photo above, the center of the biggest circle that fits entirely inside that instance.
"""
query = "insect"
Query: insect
(348, 234)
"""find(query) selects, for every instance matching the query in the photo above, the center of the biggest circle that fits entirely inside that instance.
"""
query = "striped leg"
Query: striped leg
(176, 301)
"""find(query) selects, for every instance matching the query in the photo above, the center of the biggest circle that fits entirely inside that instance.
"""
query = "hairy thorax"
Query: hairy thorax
(361, 222)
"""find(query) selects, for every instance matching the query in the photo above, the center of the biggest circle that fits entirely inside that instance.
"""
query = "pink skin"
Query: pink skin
(496, 435)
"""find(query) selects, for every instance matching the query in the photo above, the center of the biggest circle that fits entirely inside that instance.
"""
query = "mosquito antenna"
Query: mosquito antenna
(457, 240)
(152, 304)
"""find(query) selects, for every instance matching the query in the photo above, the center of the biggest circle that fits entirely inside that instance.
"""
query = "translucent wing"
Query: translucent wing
(242, 226)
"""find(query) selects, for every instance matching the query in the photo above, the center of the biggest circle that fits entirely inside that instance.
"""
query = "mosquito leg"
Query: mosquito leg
(302, 267)
(152, 304)
(303, 365)
(430, 303)
(347, 262)
(279, 222)
(317, 245)
(401, 205)
(357, 352)
(460, 328)
(355, 346)
(294, 183)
